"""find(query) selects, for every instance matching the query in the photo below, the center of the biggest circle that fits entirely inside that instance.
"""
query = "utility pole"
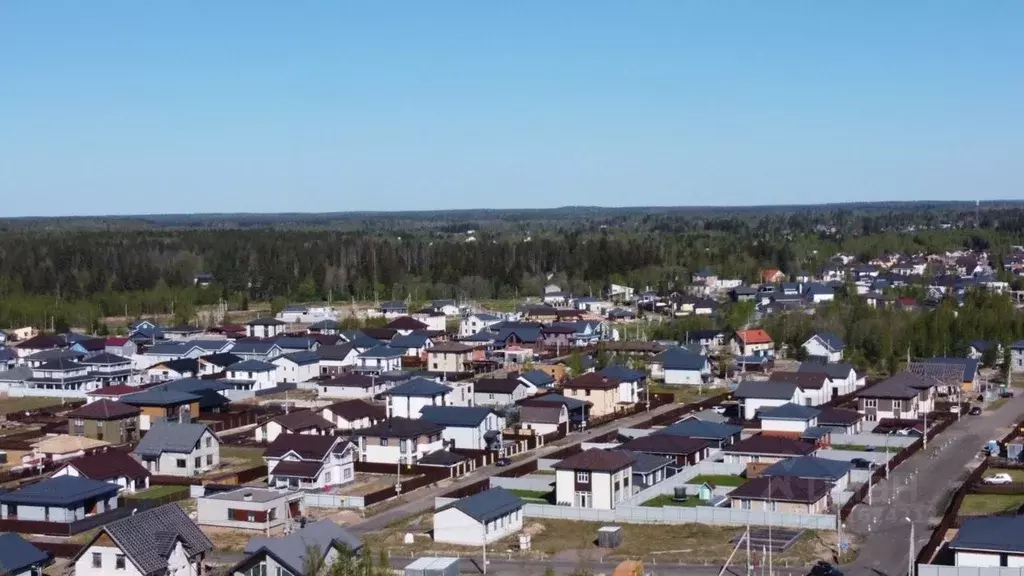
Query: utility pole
(910, 551)
(771, 543)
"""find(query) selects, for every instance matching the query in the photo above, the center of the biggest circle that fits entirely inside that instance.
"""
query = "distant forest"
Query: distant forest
(82, 269)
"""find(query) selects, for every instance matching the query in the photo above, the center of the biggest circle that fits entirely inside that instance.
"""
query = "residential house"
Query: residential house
(711, 341)
(399, 440)
(297, 367)
(394, 309)
(106, 420)
(305, 422)
(556, 298)
(632, 381)
(753, 342)
(681, 367)
(720, 435)
(772, 276)
(217, 363)
(352, 386)
(293, 554)
(172, 370)
(249, 508)
(594, 478)
(480, 519)
(327, 326)
(299, 461)
(182, 332)
(682, 450)
(606, 394)
(978, 348)
(537, 380)
(812, 387)
(354, 414)
(835, 472)
(413, 345)
(843, 379)
(404, 325)
(108, 368)
(989, 542)
(63, 378)
(19, 557)
(825, 345)
(335, 358)
(379, 359)
(619, 293)
(783, 494)
(406, 399)
(162, 403)
(450, 357)
(39, 343)
(179, 449)
(793, 420)
(466, 427)
(953, 374)
(761, 448)
(153, 542)
(903, 396)
(817, 293)
(59, 500)
(544, 419)
(475, 323)
(260, 350)
(841, 421)
(264, 328)
(114, 466)
(649, 470)
(755, 396)
(252, 375)
(578, 410)
(499, 391)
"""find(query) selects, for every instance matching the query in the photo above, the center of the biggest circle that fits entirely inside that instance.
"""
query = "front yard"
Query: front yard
(719, 480)
(985, 504)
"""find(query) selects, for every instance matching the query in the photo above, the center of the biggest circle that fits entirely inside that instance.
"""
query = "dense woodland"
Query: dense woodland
(77, 271)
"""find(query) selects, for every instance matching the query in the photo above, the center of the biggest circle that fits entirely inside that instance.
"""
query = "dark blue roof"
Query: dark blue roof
(694, 428)
(252, 366)
(620, 372)
(159, 396)
(765, 390)
(809, 467)
(410, 340)
(991, 534)
(460, 416)
(253, 347)
(570, 403)
(790, 411)
(970, 365)
(832, 341)
(195, 385)
(303, 357)
(538, 378)
(418, 387)
(835, 371)
(296, 343)
(381, 351)
(60, 491)
(681, 359)
(394, 305)
(18, 555)
(488, 505)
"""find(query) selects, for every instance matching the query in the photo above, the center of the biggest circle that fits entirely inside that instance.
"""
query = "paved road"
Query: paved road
(918, 487)
(423, 499)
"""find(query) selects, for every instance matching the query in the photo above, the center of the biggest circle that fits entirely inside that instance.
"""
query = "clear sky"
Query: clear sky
(128, 107)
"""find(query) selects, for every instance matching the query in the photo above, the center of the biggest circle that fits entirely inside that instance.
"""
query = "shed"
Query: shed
(433, 567)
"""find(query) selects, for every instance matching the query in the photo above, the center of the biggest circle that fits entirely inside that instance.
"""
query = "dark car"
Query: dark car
(976, 411)
(823, 568)
(1006, 394)
(503, 462)
(864, 464)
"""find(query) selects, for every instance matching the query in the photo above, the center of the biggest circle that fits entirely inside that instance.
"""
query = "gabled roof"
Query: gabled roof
(442, 458)
(783, 489)
(61, 364)
(682, 359)
(772, 446)
(265, 322)
(254, 347)
(457, 416)
(596, 460)
(105, 359)
(900, 385)
(765, 390)
(570, 403)
(335, 352)
(694, 428)
(302, 420)
(803, 380)
(410, 340)
(18, 555)
(306, 446)
(301, 358)
(108, 465)
(810, 467)
(949, 371)
(381, 351)
(159, 396)
(60, 491)
(450, 348)
(497, 385)
(418, 387)
(990, 534)
(593, 381)
(291, 551)
(175, 437)
(538, 378)
(357, 409)
(647, 463)
(406, 323)
(104, 410)
(835, 371)
(534, 414)
(487, 505)
(400, 428)
(349, 380)
(222, 359)
(754, 336)
(296, 342)
(252, 366)
(790, 411)
(666, 444)
(179, 365)
(42, 342)
(830, 341)
(148, 538)
(324, 325)
(622, 373)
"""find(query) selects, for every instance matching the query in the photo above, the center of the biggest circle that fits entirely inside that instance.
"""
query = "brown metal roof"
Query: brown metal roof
(108, 465)
(783, 489)
(597, 460)
(303, 420)
(308, 447)
(357, 409)
(771, 445)
(593, 381)
(104, 410)
(306, 469)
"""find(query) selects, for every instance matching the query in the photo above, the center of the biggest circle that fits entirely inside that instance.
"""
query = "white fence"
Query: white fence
(682, 515)
(938, 570)
(336, 501)
(545, 483)
(546, 463)
(877, 440)
(847, 455)
(669, 485)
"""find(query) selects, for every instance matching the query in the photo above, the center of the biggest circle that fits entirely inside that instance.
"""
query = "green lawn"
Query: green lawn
(858, 448)
(1017, 475)
(718, 479)
(535, 496)
(157, 492)
(548, 472)
(687, 394)
(984, 504)
(667, 500)
(251, 454)
(11, 405)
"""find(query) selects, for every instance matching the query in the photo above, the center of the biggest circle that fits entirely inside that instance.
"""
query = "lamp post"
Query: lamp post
(910, 551)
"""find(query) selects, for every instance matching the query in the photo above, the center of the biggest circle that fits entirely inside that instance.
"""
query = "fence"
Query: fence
(682, 515)
(980, 487)
(534, 484)
(407, 486)
(675, 414)
(876, 440)
(76, 527)
(132, 500)
(937, 570)
(336, 501)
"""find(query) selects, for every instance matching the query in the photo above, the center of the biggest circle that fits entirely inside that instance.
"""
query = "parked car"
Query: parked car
(976, 411)
(718, 409)
(1001, 478)
(823, 568)
(1006, 394)
(954, 409)
(904, 431)
(864, 464)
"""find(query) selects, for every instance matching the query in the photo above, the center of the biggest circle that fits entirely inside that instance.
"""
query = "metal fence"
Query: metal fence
(937, 570)
(336, 501)
(683, 515)
(533, 483)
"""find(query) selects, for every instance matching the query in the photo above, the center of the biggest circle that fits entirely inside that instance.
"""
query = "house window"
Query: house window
(897, 404)
(209, 442)
(257, 570)
(491, 396)
(347, 473)
(209, 459)
(383, 441)
(583, 476)
(79, 422)
(588, 391)
(283, 572)
(97, 560)
(327, 478)
(251, 517)
(199, 461)
(119, 562)
(870, 403)
(181, 463)
(745, 504)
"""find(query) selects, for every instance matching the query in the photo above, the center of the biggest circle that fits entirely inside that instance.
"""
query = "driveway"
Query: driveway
(918, 487)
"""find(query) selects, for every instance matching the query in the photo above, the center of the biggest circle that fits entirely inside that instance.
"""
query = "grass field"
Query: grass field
(247, 453)
(984, 504)
(666, 500)
(9, 405)
(535, 496)
(861, 448)
(157, 492)
(719, 480)
(1017, 475)
(687, 394)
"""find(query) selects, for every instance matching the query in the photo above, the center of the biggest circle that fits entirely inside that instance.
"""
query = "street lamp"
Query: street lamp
(910, 552)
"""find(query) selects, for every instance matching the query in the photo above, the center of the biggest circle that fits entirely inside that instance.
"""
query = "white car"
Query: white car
(1001, 478)
(718, 409)
(954, 409)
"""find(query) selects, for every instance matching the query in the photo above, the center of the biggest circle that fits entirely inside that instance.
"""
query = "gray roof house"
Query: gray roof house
(811, 467)
(481, 518)
(18, 557)
(179, 449)
(161, 540)
(987, 541)
(290, 554)
(719, 434)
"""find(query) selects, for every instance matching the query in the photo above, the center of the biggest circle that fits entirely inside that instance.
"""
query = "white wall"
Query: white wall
(681, 377)
(452, 526)
(108, 555)
(783, 425)
(565, 487)
(288, 371)
(391, 453)
(752, 405)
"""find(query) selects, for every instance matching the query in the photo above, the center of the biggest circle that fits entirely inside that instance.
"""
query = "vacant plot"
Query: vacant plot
(364, 484)
(667, 500)
(10, 405)
(984, 504)
(1017, 475)
(687, 394)
(158, 493)
(719, 480)
(249, 454)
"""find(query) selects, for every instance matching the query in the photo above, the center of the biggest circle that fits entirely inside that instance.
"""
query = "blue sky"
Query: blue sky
(128, 107)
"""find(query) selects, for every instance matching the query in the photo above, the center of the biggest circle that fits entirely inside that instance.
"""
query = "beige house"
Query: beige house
(600, 390)
(449, 357)
(783, 494)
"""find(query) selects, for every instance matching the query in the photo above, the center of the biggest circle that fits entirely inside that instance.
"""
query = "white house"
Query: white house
(499, 391)
(406, 399)
(825, 345)
(812, 387)
(352, 386)
(161, 540)
(333, 359)
(297, 366)
(353, 414)
(480, 519)
(755, 396)
(379, 359)
(544, 419)
(466, 427)
(477, 322)
(991, 542)
(594, 478)
(114, 466)
(789, 419)
(258, 375)
(305, 422)
(179, 449)
(264, 328)
(301, 461)
(399, 440)
(842, 377)
(680, 367)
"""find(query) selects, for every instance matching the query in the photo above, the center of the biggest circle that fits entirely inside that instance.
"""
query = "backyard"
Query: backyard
(667, 500)
(687, 394)
(985, 504)
(250, 454)
(9, 405)
(719, 480)
(535, 496)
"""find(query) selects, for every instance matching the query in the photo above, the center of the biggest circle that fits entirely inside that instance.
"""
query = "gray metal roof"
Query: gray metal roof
(254, 347)
(765, 390)
(381, 351)
(810, 467)
(694, 428)
(459, 416)
(60, 491)
(990, 534)
(537, 378)
(252, 366)
(18, 554)
(291, 550)
(647, 463)
(790, 411)
(179, 438)
(418, 387)
(148, 537)
(680, 359)
(835, 371)
(488, 505)
(159, 396)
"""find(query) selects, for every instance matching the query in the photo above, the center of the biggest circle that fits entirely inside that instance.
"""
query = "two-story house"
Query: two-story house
(755, 396)
(812, 387)
(114, 466)
(476, 323)
(309, 462)
(107, 420)
(336, 357)
(842, 377)
(353, 414)
(300, 366)
(379, 359)
(406, 399)
(499, 391)
(252, 375)
(753, 342)
(594, 478)
(903, 396)
(605, 393)
(450, 358)
(162, 403)
(317, 544)
(179, 449)
(307, 422)
(466, 427)
(825, 345)
(264, 328)
(399, 440)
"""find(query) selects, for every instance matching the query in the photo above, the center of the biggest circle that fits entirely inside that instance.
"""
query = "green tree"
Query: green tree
(575, 364)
